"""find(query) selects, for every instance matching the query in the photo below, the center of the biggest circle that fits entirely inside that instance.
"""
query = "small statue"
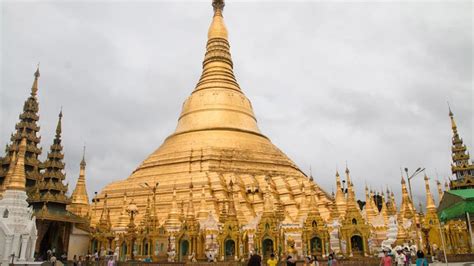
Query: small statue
(192, 257)
(171, 255)
(291, 246)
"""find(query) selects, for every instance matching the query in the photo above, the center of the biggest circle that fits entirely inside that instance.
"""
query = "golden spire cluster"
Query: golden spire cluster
(17, 176)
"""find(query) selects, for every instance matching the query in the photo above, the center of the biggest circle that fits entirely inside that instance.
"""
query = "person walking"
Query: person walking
(290, 261)
(272, 261)
(421, 260)
(400, 258)
(386, 259)
(332, 260)
(255, 260)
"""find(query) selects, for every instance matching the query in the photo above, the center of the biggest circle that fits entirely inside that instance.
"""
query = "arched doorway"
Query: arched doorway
(357, 245)
(267, 247)
(94, 245)
(183, 250)
(146, 247)
(316, 246)
(229, 249)
(123, 252)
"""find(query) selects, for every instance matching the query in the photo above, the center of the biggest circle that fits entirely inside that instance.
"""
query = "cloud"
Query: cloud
(365, 83)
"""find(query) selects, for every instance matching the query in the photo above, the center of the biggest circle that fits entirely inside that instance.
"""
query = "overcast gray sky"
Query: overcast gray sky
(365, 82)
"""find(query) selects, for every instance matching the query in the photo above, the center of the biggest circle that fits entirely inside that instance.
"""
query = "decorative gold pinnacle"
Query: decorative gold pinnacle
(17, 179)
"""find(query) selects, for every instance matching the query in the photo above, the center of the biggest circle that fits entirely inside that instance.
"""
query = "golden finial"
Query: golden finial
(218, 5)
(58, 127)
(217, 28)
(453, 123)
(34, 88)
(83, 161)
(450, 113)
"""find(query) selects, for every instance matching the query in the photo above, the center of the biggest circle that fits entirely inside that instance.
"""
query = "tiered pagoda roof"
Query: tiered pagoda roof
(462, 168)
(29, 124)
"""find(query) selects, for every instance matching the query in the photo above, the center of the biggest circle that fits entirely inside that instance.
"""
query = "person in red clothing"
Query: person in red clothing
(386, 259)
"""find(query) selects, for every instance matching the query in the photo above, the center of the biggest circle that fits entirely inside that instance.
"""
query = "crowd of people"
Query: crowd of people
(403, 257)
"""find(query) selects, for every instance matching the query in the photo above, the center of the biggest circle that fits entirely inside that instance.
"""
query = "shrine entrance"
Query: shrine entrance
(267, 247)
(357, 245)
(123, 252)
(316, 246)
(183, 250)
(229, 249)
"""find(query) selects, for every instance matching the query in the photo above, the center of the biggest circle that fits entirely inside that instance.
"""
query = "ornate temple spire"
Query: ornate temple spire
(51, 188)
(190, 212)
(392, 199)
(303, 210)
(406, 208)
(17, 179)
(79, 198)
(104, 221)
(217, 78)
(173, 219)
(29, 122)
(351, 199)
(440, 190)
(369, 205)
(340, 197)
(461, 167)
(123, 219)
(34, 87)
(430, 204)
(232, 213)
(384, 210)
(9, 174)
(268, 209)
(203, 213)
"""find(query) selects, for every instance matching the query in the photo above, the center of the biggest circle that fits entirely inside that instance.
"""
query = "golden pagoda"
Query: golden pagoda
(217, 139)
(431, 226)
(79, 199)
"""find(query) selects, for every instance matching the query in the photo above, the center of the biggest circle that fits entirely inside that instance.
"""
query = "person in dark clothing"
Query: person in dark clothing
(255, 260)
(290, 261)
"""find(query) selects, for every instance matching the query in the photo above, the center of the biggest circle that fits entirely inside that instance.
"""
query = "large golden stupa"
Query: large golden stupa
(217, 140)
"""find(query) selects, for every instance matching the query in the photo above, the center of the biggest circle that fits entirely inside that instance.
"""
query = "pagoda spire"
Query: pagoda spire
(232, 213)
(369, 206)
(173, 219)
(406, 208)
(440, 190)
(123, 218)
(190, 212)
(217, 78)
(267, 202)
(461, 167)
(384, 210)
(10, 171)
(17, 179)
(34, 87)
(340, 198)
(79, 198)
(104, 221)
(29, 122)
(51, 188)
(303, 210)
(430, 204)
(351, 200)
(203, 213)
